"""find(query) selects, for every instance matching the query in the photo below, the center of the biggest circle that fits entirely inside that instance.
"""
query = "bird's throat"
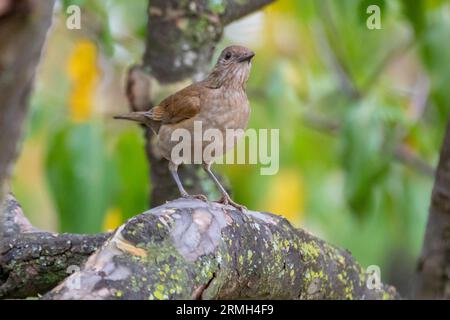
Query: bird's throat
(234, 77)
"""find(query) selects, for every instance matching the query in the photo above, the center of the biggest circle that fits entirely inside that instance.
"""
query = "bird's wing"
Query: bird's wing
(180, 106)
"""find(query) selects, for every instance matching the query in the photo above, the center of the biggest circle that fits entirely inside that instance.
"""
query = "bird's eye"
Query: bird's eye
(228, 56)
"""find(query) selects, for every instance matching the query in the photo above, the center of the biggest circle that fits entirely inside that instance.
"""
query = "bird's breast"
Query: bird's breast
(228, 109)
(221, 111)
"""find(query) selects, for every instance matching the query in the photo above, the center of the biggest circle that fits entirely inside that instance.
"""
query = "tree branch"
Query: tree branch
(236, 9)
(402, 153)
(184, 249)
(32, 261)
(190, 249)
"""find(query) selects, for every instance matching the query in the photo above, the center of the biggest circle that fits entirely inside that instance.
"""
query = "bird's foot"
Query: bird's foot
(201, 197)
(228, 201)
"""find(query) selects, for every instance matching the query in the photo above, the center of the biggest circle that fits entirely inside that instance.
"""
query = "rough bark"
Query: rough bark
(23, 26)
(433, 275)
(184, 249)
(180, 42)
(190, 249)
(32, 261)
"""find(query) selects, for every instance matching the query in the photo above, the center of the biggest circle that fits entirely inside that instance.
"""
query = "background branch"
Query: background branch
(339, 66)
(401, 152)
(23, 27)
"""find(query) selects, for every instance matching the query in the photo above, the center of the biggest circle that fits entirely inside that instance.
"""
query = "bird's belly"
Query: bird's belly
(211, 134)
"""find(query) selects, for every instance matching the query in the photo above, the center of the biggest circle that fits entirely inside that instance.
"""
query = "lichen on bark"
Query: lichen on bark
(190, 249)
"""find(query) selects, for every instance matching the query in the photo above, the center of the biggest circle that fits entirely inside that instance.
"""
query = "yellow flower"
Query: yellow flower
(113, 219)
(286, 195)
(83, 72)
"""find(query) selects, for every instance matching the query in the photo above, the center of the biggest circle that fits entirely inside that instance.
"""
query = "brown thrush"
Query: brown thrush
(217, 102)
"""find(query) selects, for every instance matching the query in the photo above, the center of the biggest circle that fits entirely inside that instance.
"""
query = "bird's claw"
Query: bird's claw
(201, 197)
(227, 201)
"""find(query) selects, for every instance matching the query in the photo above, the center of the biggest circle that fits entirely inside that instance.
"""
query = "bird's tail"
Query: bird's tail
(143, 117)
(139, 116)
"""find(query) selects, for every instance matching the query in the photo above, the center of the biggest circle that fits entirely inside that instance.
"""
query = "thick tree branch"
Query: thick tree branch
(32, 261)
(183, 249)
(433, 277)
(189, 249)
(236, 9)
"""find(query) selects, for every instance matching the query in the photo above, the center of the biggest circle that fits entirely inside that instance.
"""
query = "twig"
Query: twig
(402, 153)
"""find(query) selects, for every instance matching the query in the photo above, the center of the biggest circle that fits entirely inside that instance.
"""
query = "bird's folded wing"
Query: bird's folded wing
(157, 113)
(180, 106)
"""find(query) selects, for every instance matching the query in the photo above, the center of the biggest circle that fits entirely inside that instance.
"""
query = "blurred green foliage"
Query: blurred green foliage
(346, 100)
(78, 167)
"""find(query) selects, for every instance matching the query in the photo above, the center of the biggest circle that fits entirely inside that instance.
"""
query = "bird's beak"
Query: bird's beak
(247, 57)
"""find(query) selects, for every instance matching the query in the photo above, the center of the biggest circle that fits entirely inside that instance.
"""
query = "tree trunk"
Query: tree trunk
(23, 26)
(433, 276)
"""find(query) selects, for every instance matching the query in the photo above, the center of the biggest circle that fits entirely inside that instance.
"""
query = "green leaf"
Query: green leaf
(435, 54)
(415, 12)
(131, 194)
(67, 3)
(365, 155)
(79, 175)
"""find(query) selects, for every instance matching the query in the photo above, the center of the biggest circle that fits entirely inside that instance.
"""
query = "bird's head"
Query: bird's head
(232, 68)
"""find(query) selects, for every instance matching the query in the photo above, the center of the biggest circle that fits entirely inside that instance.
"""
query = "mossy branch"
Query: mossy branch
(190, 249)
(32, 261)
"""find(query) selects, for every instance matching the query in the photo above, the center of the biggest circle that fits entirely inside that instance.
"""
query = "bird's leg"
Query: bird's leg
(173, 168)
(226, 199)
